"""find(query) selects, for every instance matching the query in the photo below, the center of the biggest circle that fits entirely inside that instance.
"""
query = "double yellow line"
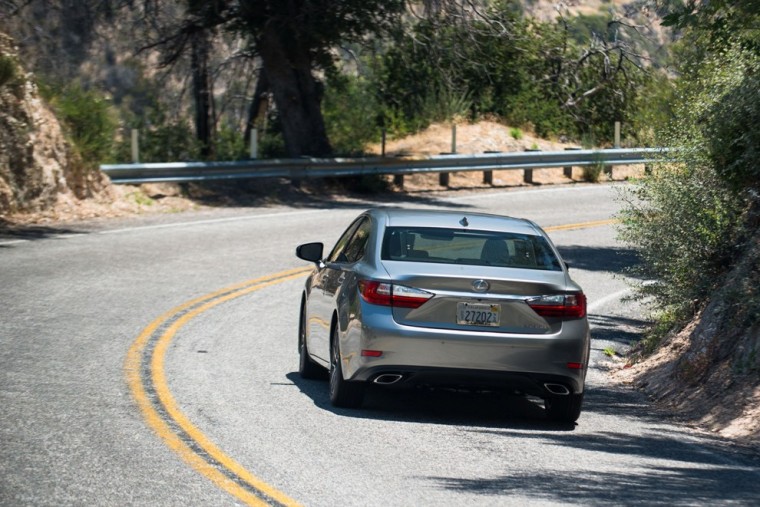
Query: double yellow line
(582, 225)
(144, 368)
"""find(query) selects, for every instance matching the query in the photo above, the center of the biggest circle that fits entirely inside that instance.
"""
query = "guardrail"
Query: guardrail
(302, 168)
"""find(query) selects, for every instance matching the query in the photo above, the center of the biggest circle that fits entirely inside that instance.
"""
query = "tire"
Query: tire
(342, 392)
(566, 409)
(307, 368)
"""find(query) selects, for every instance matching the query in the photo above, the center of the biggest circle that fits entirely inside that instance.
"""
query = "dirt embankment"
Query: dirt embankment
(709, 373)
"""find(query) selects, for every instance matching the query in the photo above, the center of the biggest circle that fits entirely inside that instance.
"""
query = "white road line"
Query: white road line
(606, 299)
(210, 221)
(487, 195)
(13, 242)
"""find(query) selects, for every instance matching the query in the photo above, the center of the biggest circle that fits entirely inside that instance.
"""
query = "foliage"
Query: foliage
(8, 70)
(731, 134)
(683, 223)
(535, 75)
(88, 120)
(162, 138)
(652, 109)
(592, 173)
(230, 144)
(585, 27)
(687, 218)
(351, 110)
(721, 22)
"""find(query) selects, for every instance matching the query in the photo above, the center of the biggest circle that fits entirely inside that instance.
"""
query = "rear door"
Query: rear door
(336, 275)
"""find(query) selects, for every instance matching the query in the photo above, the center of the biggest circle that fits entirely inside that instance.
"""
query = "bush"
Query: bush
(88, 120)
(230, 144)
(731, 133)
(686, 219)
(351, 114)
(592, 173)
(683, 222)
(8, 70)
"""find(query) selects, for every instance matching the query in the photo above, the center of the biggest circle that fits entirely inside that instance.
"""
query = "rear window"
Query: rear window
(478, 248)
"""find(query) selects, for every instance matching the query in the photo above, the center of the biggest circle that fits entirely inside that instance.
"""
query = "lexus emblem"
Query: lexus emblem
(480, 286)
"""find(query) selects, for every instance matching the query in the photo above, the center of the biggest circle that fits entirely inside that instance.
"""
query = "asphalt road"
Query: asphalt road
(152, 361)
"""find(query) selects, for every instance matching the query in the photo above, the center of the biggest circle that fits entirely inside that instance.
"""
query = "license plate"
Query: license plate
(478, 314)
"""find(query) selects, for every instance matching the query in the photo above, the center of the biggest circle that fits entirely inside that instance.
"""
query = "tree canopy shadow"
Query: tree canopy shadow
(317, 194)
(609, 259)
(11, 231)
(621, 330)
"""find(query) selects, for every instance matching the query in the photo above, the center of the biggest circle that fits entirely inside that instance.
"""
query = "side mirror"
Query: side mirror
(311, 252)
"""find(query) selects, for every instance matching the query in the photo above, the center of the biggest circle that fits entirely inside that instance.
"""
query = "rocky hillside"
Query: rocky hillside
(38, 168)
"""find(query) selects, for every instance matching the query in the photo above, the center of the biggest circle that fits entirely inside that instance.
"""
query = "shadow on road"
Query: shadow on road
(669, 467)
(314, 194)
(621, 330)
(652, 485)
(9, 231)
(439, 406)
(608, 259)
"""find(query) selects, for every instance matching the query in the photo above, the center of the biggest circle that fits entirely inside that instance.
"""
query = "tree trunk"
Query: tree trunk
(202, 92)
(258, 106)
(296, 93)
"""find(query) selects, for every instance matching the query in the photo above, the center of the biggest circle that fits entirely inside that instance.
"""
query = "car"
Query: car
(444, 299)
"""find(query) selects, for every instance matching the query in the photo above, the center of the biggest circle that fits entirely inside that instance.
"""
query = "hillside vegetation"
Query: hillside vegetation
(697, 226)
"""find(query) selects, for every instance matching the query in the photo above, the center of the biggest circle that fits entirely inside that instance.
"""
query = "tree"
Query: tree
(295, 40)
(193, 33)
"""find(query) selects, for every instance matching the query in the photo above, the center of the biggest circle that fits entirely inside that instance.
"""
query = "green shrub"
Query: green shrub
(516, 133)
(88, 120)
(592, 173)
(731, 133)
(683, 221)
(351, 113)
(686, 219)
(444, 105)
(8, 70)
(230, 144)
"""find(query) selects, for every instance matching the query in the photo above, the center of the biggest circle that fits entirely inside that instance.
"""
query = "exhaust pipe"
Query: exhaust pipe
(557, 389)
(387, 379)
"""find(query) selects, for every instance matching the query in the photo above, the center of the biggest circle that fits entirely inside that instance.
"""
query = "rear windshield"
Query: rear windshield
(479, 248)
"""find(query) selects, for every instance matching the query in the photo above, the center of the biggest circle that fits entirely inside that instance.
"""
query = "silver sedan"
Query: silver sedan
(444, 299)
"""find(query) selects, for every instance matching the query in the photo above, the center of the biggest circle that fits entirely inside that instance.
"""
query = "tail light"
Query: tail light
(570, 306)
(389, 294)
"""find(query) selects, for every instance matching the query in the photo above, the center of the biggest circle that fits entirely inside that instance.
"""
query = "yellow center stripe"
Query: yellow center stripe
(161, 422)
(582, 225)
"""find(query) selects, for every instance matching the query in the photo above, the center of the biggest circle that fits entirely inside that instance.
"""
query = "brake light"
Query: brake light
(570, 306)
(388, 294)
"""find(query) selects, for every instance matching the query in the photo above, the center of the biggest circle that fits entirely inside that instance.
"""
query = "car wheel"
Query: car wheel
(342, 392)
(564, 408)
(307, 368)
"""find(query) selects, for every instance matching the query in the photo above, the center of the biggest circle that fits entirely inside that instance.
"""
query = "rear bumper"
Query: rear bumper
(535, 384)
(479, 359)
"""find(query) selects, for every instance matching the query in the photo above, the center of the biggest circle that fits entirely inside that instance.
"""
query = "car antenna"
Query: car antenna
(464, 222)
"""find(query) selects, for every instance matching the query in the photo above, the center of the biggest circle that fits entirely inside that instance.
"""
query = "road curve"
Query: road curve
(152, 362)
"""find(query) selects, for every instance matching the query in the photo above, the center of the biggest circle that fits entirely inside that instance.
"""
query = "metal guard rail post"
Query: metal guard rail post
(329, 167)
